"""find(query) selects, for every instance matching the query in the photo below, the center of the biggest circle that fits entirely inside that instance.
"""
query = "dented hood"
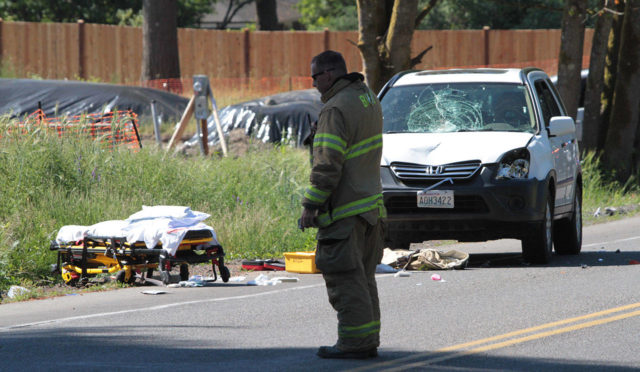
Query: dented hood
(444, 148)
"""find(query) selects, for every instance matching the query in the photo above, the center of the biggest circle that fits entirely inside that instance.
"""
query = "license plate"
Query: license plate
(435, 199)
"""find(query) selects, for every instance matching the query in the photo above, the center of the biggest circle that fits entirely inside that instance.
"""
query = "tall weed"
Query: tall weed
(47, 182)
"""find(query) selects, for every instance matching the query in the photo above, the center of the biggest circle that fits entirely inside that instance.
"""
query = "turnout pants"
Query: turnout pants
(348, 252)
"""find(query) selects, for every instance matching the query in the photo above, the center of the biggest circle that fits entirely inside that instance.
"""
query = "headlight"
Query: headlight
(514, 164)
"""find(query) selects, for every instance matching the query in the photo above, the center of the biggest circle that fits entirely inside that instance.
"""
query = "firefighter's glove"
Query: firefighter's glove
(307, 219)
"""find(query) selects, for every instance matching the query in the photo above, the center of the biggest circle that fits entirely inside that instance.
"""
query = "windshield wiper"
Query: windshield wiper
(476, 130)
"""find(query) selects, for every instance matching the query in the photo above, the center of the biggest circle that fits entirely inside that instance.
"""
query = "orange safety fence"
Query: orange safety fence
(111, 129)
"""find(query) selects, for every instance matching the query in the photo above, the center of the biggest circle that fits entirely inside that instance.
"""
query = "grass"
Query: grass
(254, 200)
(46, 183)
(602, 190)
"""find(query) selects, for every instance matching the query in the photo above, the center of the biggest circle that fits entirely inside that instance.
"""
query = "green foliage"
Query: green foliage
(447, 14)
(127, 17)
(47, 183)
(475, 14)
(122, 12)
(333, 14)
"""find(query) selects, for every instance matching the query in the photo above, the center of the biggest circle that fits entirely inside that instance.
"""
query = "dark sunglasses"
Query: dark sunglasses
(315, 76)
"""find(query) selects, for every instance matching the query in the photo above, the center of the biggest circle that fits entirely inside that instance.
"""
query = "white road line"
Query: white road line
(158, 307)
(610, 242)
(166, 306)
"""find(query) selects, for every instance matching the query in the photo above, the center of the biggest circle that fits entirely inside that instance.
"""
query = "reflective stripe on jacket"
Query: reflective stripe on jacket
(345, 174)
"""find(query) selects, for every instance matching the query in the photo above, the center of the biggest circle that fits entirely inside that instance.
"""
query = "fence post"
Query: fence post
(1, 55)
(81, 61)
(247, 53)
(326, 39)
(485, 34)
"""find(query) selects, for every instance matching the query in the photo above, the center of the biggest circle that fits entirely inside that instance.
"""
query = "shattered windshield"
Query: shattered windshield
(460, 107)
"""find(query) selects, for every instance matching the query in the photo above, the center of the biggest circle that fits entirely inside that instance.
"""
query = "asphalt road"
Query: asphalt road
(578, 313)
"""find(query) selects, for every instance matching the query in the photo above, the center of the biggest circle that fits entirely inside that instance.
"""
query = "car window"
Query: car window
(460, 107)
(548, 103)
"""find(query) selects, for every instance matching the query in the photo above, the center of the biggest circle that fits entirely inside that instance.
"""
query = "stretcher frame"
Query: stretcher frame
(79, 261)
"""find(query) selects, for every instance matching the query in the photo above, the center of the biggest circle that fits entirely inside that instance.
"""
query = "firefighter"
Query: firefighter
(344, 200)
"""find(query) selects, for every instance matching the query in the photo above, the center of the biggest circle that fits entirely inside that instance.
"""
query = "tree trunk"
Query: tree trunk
(625, 110)
(160, 58)
(595, 81)
(610, 73)
(385, 29)
(371, 21)
(399, 36)
(267, 13)
(570, 59)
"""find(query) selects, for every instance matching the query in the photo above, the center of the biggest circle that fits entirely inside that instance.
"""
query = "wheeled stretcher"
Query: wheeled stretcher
(112, 247)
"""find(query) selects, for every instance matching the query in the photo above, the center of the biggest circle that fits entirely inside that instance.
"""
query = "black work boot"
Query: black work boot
(332, 352)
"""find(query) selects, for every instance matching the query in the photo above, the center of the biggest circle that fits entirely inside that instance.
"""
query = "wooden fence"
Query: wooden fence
(114, 53)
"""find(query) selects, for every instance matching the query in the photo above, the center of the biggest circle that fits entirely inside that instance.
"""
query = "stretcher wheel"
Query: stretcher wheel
(224, 273)
(120, 275)
(184, 272)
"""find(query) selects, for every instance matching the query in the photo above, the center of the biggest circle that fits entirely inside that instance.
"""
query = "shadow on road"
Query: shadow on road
(584, 259)
(112, 348)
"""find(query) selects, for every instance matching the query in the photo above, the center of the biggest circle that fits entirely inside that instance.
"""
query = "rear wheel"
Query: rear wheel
(537, 247)
(567, 233)
(184, 272)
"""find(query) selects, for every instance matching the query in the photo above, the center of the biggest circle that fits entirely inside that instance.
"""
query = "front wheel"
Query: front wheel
(567, 234)
(225, 274)
(536, 248)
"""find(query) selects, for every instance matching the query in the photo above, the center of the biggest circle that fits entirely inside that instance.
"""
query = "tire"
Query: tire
(120, 277)
(567, 233)
(225, 274)
(537, 248)
(184, 272)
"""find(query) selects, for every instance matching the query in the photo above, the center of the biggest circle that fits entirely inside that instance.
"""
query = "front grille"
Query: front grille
(407, 204)
(411, 171)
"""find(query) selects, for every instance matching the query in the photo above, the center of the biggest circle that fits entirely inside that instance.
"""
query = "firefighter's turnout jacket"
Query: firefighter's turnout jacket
(345, 175)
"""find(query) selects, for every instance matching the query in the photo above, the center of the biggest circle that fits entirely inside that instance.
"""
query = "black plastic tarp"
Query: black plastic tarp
(282, 116)
(19, 97)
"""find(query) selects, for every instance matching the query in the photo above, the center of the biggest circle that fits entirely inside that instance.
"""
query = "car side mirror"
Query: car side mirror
(561, 125)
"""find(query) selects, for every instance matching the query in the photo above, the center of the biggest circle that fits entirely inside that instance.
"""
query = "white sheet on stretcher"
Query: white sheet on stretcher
(165, 224)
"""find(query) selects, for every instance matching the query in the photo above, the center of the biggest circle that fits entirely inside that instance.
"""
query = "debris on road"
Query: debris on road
(425, 259)
(263, 279)
(402, 274)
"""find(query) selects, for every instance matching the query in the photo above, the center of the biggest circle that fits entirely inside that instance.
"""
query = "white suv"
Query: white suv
(480, 154)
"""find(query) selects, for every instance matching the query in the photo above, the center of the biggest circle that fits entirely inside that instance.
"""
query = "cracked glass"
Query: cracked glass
(460, 107)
